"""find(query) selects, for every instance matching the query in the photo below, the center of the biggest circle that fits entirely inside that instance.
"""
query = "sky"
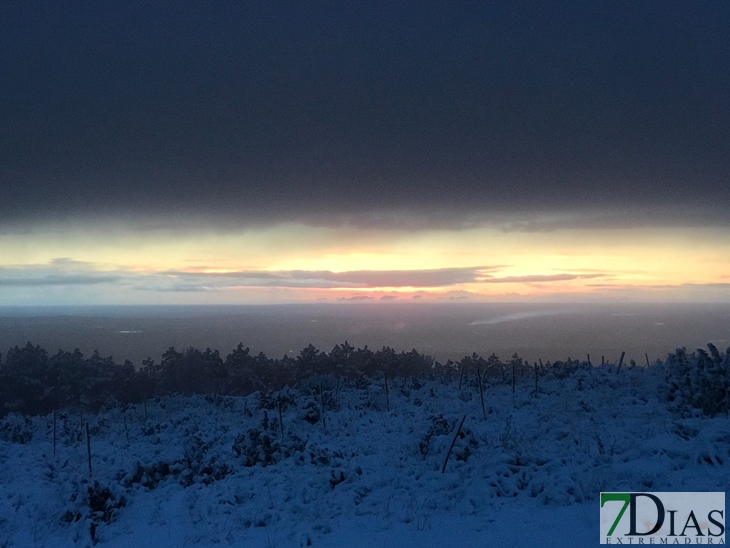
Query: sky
(269, 152)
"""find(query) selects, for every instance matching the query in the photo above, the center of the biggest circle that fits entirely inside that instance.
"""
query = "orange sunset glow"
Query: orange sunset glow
(296, 263)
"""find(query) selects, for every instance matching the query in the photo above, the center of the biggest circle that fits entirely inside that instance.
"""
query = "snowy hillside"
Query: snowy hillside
(525, 470)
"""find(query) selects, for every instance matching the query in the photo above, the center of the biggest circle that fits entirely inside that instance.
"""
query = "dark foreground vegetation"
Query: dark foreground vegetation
(34, 382)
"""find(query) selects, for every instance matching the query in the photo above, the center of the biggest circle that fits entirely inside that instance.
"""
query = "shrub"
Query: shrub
(700, 380)
(256, 446)
(16, 429)
(439, 427)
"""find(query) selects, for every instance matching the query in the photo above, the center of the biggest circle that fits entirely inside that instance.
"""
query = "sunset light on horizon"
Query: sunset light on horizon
(314, 264)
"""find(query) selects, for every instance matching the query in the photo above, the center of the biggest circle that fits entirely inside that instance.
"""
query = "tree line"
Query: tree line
(32, 381)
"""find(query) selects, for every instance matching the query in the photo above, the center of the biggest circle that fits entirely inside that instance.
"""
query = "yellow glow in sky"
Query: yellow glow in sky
(591, 262)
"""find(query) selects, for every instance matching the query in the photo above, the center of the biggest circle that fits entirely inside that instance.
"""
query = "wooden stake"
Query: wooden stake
(126, 431)
(589, 361)
(481, 393)
(321, 400)
(453, 442)
(620, 362)
(603, 360)
(647, 359)
(88, 447)
(387, 395)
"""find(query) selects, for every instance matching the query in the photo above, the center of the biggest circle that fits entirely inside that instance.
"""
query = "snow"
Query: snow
(528, 475)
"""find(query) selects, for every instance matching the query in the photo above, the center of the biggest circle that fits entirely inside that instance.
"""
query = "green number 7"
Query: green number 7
(608, 497)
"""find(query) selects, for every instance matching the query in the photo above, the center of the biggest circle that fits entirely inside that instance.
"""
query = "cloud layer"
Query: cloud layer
(402, 116)
(62, 272)
(65, 281)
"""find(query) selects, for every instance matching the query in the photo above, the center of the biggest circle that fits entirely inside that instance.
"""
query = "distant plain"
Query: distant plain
(445, 331)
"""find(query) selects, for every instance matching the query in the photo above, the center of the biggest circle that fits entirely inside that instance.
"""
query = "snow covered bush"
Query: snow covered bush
(16, 429)
(103, 504)
(261, 447)
(439, 426)
(94, 505)
(150, 476)
(284, 399)
(200, 466)
(700, 381)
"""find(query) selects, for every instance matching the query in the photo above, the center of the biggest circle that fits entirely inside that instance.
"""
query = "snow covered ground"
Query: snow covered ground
(217, 471)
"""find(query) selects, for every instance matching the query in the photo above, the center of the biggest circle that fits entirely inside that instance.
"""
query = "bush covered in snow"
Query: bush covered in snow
(700, 380)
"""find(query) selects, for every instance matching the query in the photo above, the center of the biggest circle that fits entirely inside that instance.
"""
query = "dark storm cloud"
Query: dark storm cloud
(395, 115)
(631, 217)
